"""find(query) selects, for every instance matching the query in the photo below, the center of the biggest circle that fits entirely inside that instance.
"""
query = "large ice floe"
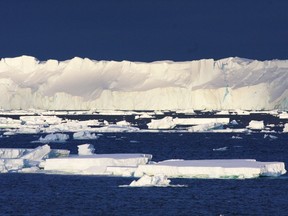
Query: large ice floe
(131, 165)
(83, 84)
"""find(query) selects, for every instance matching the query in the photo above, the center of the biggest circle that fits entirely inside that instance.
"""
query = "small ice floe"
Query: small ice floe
(86, 149)
(117, 128)
(221, 149)
(256, 125)
(57, 137)
(269, 136)
(233, 122)
(285, 129)
(123, 123)
(84, 135)
(237, 137)
(151, 181)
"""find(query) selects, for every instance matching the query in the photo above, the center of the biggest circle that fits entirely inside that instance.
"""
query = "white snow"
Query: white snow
(212, 169)
(84, 84)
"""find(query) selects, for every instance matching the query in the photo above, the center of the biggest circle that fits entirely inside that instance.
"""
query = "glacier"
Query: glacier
(84, 84)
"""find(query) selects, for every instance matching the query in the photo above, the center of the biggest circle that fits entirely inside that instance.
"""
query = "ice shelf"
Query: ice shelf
(230, 83)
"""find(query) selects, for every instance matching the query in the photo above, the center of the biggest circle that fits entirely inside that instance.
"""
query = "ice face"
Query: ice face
(83, 84)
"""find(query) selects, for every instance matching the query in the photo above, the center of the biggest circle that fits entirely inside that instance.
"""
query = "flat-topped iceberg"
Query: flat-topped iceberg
(96, 164)
(245, 168)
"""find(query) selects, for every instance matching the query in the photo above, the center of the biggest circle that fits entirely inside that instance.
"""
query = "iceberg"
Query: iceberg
(237, 168)
(256, 125)
(84, 135)
(96, 164)
(57, 137)
(26, 160)
(86, 149)
(84, 84)
(150, 181)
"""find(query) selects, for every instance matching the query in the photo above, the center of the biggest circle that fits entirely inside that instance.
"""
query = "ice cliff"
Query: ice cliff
(231, 83)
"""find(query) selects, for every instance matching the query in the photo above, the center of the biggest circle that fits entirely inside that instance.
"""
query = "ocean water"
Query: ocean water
(42, 194)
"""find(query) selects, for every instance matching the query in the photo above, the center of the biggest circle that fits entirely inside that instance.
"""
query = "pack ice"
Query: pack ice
(133, 165)
(84, 84)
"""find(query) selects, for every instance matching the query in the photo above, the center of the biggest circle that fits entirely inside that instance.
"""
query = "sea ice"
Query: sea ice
(212, 169)
(84, 135)
(256, 125)
(285, 129)
(149, 181)
(96, 164)
(57, 137)
(86, 149)
(116, 128)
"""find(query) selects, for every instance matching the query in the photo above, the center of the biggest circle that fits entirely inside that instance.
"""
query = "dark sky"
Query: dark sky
(144, 30)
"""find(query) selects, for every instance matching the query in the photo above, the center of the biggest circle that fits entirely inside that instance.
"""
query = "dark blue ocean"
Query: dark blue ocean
(42, 194)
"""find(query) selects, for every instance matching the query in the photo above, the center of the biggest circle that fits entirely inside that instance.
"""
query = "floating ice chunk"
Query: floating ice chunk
(212, 169)
(200, 121)
(221, 149)
(117, 128)
(285, 129)
(34, 157)
(57, 137)
(123, 123)
(144, 116)
(164, 123)
(11, 165)
(205, 127)
(237, 137)
(40, 120)
(19, 152)
(149, 181)
(12, 152)
(270, 136)
(86, 149)
(95, 164)
(84, 135)
(186, 111)
(256, 125)
(233, 122)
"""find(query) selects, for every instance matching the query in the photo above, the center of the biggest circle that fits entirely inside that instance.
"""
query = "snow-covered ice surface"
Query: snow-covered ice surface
(84, 84)
(95, 164)
(212, 169)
